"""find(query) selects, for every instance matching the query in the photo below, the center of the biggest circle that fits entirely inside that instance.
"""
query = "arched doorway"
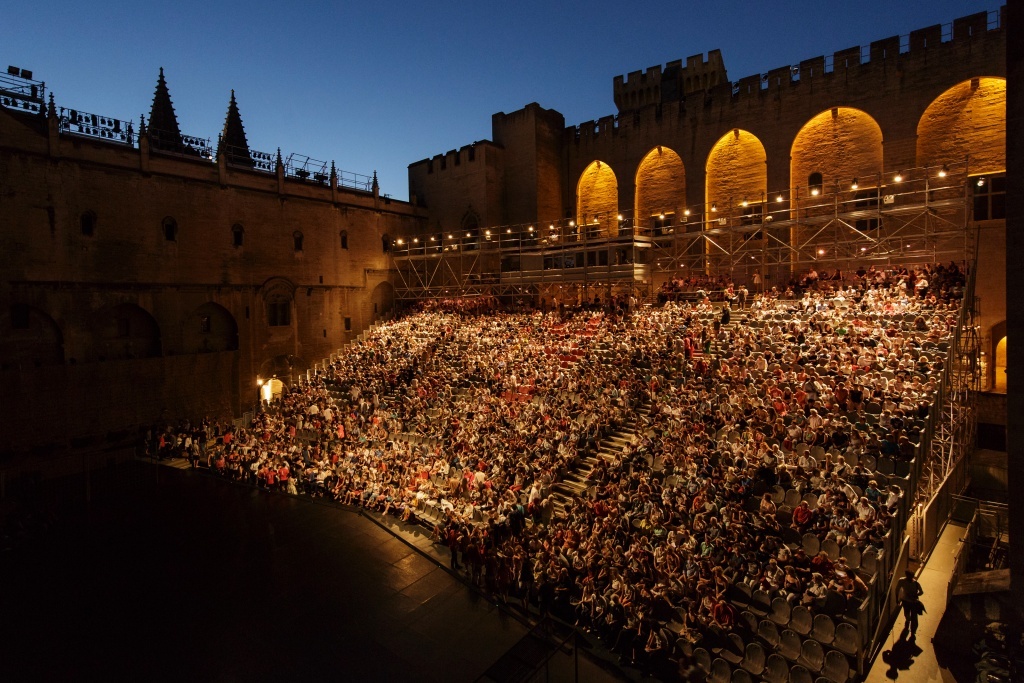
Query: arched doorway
(208, 329)
(382, 300)
(597, 199)
(29, 338)
(1000, 367)
(270, 389)
(737, 172)
(124, 331)
(286, 368)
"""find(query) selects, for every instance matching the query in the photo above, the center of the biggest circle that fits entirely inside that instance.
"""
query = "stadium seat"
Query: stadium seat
(800, 674)
(852, 555)
(801, 620)
(754, 659)
(847, 638)
(769, 633)
(811, 544)
(741, 676)
(780, 613)
(789, 645)
(830, 547)
(812, 655)
(703, 658)
(721, 672)
(836, 667)
(824, 630)
(776, 669)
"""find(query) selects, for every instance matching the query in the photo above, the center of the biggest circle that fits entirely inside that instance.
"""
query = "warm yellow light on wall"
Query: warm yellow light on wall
(854, 185)
(898, 177)
(620, 216)
(779, 198)
(944, 171)
(714, 207)
(744, 203)
(686, 212)
(815, 191)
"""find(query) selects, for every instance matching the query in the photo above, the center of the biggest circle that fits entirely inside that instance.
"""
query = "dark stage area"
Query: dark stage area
(179, 576)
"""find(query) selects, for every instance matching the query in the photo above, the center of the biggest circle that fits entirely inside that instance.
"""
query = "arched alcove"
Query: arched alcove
(29, 338)
(209, 328)
(124, 331)
(966, 121)
(660, 190)
(736, 171)
(597, 198)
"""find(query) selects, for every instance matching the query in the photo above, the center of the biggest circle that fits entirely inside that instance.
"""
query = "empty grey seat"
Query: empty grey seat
(811, 544)
(754, 659)
(741, 676)
(780, 613)
(703, 658)
(776, 669)
(792, 498)
(812, 655)
(778, 494)
(733, 649)
(800, 674)
(836, 667)
(800, 620)
(721, 672)
(832, 548)
(789, 645)
(760, 603)
(824, 630)
(769, 633)
(749, 620)
(869, 561)
(847, 638)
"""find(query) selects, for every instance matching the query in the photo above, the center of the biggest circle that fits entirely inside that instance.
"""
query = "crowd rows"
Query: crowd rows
(502, 424)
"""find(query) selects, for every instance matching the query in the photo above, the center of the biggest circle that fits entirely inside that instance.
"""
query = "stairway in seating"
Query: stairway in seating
(575, 483)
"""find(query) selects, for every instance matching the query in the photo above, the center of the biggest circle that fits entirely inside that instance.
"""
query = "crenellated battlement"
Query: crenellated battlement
(645, 94)
(674, 81)
(467, 154)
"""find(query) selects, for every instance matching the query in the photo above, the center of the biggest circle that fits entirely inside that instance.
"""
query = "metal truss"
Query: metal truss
(913, 216)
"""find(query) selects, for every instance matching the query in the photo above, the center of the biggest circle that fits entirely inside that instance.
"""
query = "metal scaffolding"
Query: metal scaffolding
(918, 215)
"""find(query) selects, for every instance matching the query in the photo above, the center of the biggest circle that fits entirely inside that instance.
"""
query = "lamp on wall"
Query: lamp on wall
(854, 185)
(944, 171)
(714, 207)
(898, 177)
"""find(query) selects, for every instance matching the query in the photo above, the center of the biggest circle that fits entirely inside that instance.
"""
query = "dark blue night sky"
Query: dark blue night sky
(378, 85)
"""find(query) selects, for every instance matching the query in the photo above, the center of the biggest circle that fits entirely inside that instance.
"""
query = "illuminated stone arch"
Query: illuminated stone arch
(124, 331)
(660, 187)
(210, 328)
(597, 197)
(840, 144)
(29, 338)
(736, 170)
(968, 120)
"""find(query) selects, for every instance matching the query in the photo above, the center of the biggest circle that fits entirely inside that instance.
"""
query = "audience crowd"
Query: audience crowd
(624, 471)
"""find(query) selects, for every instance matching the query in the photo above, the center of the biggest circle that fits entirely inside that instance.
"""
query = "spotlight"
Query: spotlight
(661, 216)
(898, 177)
(744, 203)
(572, 224)
(714, 207)
(433, 239)
(451, 237)
(686, 212)
(530, 229)
(944, 171)
(487, 232)
(509, 231)
(815, 191)
(821, 252)
(469, 234)
(854, 185)
(981, 182)
(619, 216)
(399, 241)
(415, 240)
(779, 198)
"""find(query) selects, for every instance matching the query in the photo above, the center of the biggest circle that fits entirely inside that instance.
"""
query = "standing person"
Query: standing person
(757, 281)
(909, 592)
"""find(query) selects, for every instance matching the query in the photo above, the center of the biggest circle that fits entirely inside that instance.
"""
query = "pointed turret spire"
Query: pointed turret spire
(163, 123)
(142, 125)
(233, 144)
(50, 109)
(375, 188)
